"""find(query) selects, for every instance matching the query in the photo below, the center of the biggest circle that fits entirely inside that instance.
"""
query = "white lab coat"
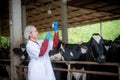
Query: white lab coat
(39, 68)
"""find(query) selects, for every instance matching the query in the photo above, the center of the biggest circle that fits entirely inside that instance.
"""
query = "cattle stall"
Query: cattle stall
(16, 14)
(22, 70)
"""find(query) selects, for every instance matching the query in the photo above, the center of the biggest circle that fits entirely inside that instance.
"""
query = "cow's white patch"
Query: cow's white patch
(71, 54)
(57, 56)
(97, 38)
(63, 58)
(22, 57)
(83, 50)
(107, 47)
(76, 75)
(23, 49)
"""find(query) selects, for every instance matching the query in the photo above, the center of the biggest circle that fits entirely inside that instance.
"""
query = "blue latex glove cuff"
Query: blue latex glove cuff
(48, 36)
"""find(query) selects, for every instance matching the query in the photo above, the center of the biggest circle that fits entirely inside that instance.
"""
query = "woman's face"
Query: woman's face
(34, 33)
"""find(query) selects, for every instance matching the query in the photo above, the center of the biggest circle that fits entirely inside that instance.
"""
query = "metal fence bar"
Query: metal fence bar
(88, 72)
(85, 71)
(87, 62)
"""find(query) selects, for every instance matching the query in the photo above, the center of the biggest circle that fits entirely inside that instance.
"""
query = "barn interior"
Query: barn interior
(78, 13)
(16, 14)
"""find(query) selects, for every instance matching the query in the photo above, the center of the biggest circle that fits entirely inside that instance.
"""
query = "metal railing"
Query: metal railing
(21, 69)
(69, 70)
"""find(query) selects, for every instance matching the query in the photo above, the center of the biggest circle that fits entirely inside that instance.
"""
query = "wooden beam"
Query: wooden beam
(15, 33)
(64, 21)
(43, 15)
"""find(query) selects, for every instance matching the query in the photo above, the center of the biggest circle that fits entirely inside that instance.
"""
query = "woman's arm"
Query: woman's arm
(35, 51)
(44, 45)
(55, 40)
(56, 34)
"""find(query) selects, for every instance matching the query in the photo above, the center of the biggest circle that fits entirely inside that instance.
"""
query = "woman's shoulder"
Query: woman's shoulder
(28, 43)
(40, 41)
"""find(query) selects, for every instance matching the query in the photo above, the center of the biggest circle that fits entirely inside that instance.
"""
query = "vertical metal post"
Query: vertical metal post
(100, 28)
(64, 20)
(15, 33)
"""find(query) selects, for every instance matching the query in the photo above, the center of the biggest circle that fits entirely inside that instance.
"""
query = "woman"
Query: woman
(39, 67)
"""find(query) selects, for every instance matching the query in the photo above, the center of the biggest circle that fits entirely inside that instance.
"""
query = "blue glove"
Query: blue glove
(48, 36)
(55, 25)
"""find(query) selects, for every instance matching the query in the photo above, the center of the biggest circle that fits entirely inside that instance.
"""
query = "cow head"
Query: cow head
(84, 48)
(24, 52)
(113, 50)
(97, 48)
(21, 52)
(55, 54)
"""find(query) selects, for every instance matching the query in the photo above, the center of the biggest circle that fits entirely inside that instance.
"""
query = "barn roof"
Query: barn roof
(79, 12)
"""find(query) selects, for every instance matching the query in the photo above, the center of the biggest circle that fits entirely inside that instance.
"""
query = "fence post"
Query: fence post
(69, 73)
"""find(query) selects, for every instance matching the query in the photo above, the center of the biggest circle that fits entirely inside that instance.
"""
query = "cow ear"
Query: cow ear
(62, 48)
(60, 41)
(59, 44)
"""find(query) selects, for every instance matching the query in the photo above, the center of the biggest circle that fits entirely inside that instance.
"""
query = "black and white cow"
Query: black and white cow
(21, 52)
(74, 52)
(93, 50)
(96, 49)
(96, 53)
(113, 51)
(112, 56)
(56, 55)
